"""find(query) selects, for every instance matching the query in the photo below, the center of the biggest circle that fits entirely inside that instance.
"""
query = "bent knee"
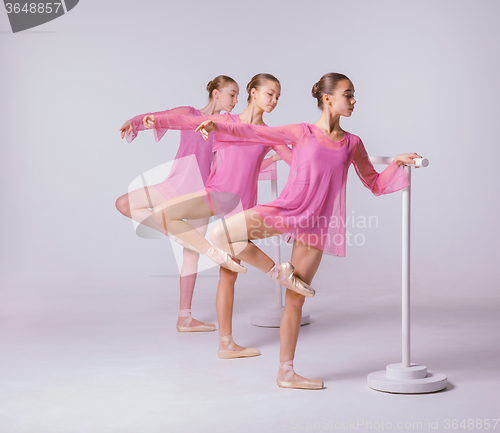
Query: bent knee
(218, 235)
(123, 206)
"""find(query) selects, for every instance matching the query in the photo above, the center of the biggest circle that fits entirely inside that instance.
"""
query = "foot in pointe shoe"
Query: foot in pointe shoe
(228, 349)
(284, 275)
(288, 379)
(185, 325)
(224, 259)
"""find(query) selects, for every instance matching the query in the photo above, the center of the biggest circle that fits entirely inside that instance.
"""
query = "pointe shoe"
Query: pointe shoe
(231, 353)
(224, 259)
(205, 327)
(298, 384)
(283, 274)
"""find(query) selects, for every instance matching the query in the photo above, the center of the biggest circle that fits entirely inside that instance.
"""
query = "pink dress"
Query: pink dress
(193, 161)
(311, 208)
(232, 184)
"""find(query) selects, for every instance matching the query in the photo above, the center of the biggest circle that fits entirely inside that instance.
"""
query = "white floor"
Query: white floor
(98, 358)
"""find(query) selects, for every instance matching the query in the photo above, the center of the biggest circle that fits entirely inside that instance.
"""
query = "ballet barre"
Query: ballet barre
(406, 377)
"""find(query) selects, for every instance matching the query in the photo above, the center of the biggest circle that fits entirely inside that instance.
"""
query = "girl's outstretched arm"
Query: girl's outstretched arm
(392, 179)
(179, 121)
(131, 127)
(278, 137)
(253, 134)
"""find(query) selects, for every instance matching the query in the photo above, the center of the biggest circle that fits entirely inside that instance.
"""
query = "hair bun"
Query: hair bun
(209, 84)
(315, 90)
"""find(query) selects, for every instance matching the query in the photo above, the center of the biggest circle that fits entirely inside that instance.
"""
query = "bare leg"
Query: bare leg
(234, 236)
(136, 205)
(171, 214)
(195, 206)
(188, 277)
(224, 301)
(306, 261)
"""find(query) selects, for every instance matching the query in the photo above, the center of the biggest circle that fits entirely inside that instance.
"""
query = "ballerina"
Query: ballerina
(311, 207)
(190, 171)
(230, 189)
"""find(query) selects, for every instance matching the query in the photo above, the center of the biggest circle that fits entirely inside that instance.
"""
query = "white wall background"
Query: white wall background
(426, 77)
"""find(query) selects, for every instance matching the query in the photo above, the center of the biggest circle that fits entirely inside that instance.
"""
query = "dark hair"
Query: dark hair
(326, 85)
(218, 83)
(259, 80)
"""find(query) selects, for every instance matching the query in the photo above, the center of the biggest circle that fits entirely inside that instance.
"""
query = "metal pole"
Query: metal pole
(406, 271)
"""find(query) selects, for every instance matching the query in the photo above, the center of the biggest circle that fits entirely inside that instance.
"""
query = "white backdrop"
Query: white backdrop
(426, 79)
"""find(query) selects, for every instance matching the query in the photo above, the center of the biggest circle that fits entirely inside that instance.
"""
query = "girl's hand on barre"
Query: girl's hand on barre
(126, 128)
(206, 128)
(406, 158)
(149, 121)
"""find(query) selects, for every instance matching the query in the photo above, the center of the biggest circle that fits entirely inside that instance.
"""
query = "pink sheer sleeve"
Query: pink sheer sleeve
(266, 163)
(268, 169)
(392, 179)
(179, 121)
(256, 134)
(285, 152)
(137, 124)
(278, 137)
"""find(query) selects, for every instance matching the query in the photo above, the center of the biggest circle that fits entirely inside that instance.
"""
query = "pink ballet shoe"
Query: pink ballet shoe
(283, 274)
(230, 352)
(302, 383)
(224, 259)
(205, 327)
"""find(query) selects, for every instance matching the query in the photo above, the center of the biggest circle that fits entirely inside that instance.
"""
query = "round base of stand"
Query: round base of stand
(271, 318)
(407, 380)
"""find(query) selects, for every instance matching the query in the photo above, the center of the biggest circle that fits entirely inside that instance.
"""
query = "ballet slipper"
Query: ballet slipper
(230, 352)
(205, 327)
(224, 259)
(287, 380)
(283, 274)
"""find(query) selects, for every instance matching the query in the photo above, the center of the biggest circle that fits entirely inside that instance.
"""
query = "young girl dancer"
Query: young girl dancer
(232, 188)
(311, 207)
(189, 173)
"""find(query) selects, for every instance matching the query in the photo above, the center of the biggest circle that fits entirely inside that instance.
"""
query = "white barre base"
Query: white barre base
(271, 318)
(407, 380)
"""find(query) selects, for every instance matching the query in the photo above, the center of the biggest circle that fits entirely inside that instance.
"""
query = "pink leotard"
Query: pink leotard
(236, 170)
(311, 207)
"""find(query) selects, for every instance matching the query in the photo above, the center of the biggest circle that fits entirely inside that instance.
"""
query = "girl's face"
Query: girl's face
(342, 99)
(266, 96)
(227, 96)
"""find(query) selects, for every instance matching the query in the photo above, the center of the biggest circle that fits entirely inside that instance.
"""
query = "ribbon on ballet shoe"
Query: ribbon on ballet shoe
(287, 365)
(274, 272)
(186, 313)
(186, 326)
(224, 259)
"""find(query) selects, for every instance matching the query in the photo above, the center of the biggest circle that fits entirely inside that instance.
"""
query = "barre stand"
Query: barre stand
(406, 377)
